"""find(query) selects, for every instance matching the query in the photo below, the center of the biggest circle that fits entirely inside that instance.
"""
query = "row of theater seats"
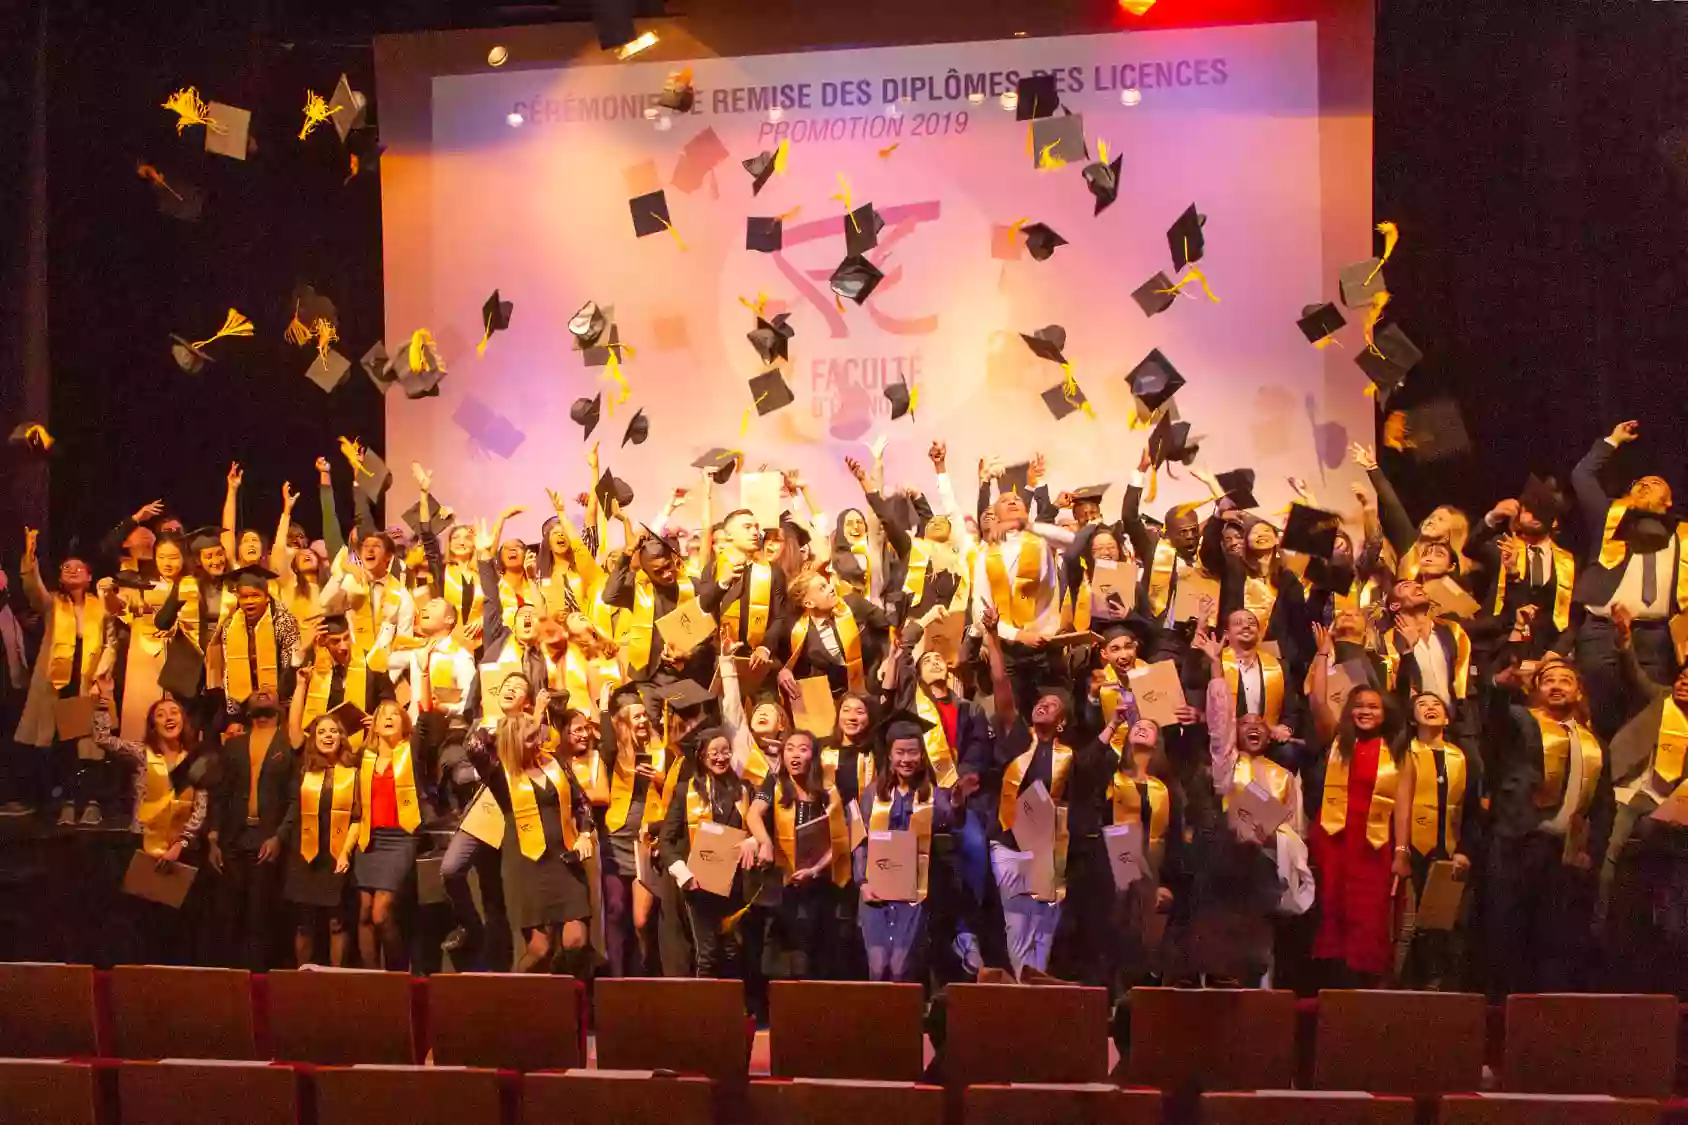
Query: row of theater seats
(188, 1092)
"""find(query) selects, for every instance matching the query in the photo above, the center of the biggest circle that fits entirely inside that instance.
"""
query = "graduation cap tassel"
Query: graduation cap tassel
(480, 348)
(1046, 158)
(781, 155)
(421, 341)
(316, 112)
(326, 334)
(234, 325)
(759, 306)
(1196, 275)
(352, 451)
(886, 152)
(297, 334)
(190, 110)
(678, 241)
(1374, 313)
(844, 196)
(149, 173)
(787, 216)
(1154, 482)
(1391, 234)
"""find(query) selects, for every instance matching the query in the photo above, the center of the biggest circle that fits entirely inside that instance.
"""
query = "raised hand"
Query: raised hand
(1322, 643)
(856, 470)
(483, 538)
(423, 478)
(1064, 500)
(1363, 455)
(510, 513)
(1207, 643)
(30, 536)
(938, 454)
(236, 474)
(288, 496)
(1361, 496)
(1034, 472)
(322, 470)
(1625, 432)
(1502, 512)
(148, 512)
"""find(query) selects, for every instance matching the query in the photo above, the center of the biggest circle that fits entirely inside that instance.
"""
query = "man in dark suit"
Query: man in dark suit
(247, 811)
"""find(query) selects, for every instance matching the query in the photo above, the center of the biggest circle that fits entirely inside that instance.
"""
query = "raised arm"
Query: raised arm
(231, 500)
(1325, 718)
(333, 540)
(1397, 527)
(1002, 691)
(1592, 500)
(29, 574)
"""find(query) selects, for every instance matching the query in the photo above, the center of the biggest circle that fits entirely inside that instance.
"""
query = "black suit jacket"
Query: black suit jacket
(1595, 583)
(273, 786)
(714, 598)
(1515, 737)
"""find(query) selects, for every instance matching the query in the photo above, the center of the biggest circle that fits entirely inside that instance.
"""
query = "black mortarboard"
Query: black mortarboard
(902, 724)
(1319, 321)
(897, 394)
(1184, 238)
(1103, 182)
(650, 213)
(495, 314)
(1238, 484)
(765, 235)
(329, 371)
(1060, 403)
(439, 512)
(638, 429)
(1154, 295)
(1644, 530)
(378, 365)
(1015, 478)
(1357, 292)
(421, 384)
(771, 337)
(610, 487)
(1036, 96)
(190, 359)
(720, 463)
(586, 412)
(855, 278)
(1542, 499)
(131, 580)
(1058, 140)
(1428, 431)
(375, 482)
(1311, 531)
(184, 666)
(861, 230)
(1048, 342)
(760, 167)
(658, 546)
(1170, 441)
(1090, 492)
(1400, 355)
(677, 93)
(1154, 380)
(203, 538)
(257, 576)
(683, 695)
(587, 325)
(309, 306)
(770, 392)
(1145, 629)
(1041, 241)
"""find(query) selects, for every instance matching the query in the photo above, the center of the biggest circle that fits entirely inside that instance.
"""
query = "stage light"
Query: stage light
(1131, 95)
(1136, 7)
(776, 114)
(891, 110)
(976, 97)
(644, 43)
(514, 120)
(1010, 100)
(664, 123)
(652, 112)
(498, 56)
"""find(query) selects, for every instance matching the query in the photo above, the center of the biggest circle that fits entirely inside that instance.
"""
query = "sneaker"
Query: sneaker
(67, 815)
(16, 808)
(91, 817)
(455, 940)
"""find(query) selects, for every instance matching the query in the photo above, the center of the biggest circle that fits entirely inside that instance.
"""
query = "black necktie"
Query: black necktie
(1537, 576)
(1649, 578)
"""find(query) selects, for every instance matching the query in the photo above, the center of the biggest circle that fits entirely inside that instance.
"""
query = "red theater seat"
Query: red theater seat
(844, 1101)
(1215, 1039)
(1622, 1045)
(1288, 1107)
(47, 1011)
(1093, 1103)
(340, 1016)
(1400, 1042)
(407, 1095)
(846, 1029)
(655, 1023)
(183, 1092)
(514, 1021)
(625, 1097)
(44, 1092)
(166, 1012)
(1023, 1033)
(1545, 1109)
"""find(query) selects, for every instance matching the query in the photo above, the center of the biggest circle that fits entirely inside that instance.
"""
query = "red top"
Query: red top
(948, 714)
(384, 800)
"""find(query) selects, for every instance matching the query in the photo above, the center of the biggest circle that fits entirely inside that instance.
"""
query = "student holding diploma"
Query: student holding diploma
(317, 836)
(704, 844)
(813, 857)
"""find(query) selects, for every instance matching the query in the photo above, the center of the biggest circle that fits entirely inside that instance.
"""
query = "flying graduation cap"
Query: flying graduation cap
(638, 429)
(1048, 342)
(765, 164)
(901, 396)
(855, 278)
(495, 317)
(1184, 238)
(1155, 295)
(586, 411)
(1319, 322)
(861, 230)
(766, 235)
(1041, 241)
(1102, 178)
(1154, 380)
(771, 337)
(587, 325)
(1036, 97)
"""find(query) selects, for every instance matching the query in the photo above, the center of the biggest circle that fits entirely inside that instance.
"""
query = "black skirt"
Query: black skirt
(390, 861)
(314, 883)
(550, 890)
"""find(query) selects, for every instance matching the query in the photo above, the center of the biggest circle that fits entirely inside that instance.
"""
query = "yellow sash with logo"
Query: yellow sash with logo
(1459, 672)
(1333, 811)
(625, 783)
(1259, 596)
(339, 810)
(1429, 814)
(914, 582)
(829, 768)
(404, 784)
(1160, 576)
(524, 807)
(1257, 767)
(1556, 759)
(163, 812)
(456, 577)
(785, 825)
(938, 749)
(322, 682)
(756, 766)
(1564, 577)
(760, 579)
(700, 809)
(238, 650)
(849, 639)
(1672, 744)
(1128, 809)
(1110, 694)
(61, 669)
(641, 624)
(920, 823)
(1614, 552)
(1016, 600)
(1271, 671)
(1061, 768)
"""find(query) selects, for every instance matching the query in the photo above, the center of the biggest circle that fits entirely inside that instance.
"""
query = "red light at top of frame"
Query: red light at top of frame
(1136, 7)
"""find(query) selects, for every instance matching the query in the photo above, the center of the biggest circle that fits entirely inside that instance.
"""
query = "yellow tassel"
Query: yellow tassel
(1154, 482)
(782, 154)
(480, 348)
(913, 398)
(885, 152)
(190, 110)
(316, 112)
(1102, 151)
(325, 334)
(421, 341)
(844, 196)
(148, 172)
(352, 451)
(36, 434)
(758, 306)
(1373, 315)
(1391, 234)
(1395, 431)
(1046, 158)
(1069, 385)
(235, 325)
(677, 240)
(352, 165)
(1195, 274)
(1327, 342)
(297, 334)
(787, 216)
(613, 370)
(1371, 390)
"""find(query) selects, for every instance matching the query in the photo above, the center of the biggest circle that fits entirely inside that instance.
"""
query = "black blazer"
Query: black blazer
(274, 788)
(1516, 740)
(1596, 584)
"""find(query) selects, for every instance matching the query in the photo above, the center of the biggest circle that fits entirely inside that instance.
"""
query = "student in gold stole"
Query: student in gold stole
(317, 837)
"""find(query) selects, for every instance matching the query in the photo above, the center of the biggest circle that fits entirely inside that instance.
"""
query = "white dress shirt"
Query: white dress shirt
(1432, 662)
(1048, 602)
(416, 662)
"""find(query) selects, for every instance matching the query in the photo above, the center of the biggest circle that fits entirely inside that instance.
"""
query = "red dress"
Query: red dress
(1353, 878)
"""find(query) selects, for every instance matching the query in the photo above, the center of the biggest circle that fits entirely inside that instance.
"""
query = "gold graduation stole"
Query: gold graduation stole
(1111, 693)
(1160, 576)
(404, 784)
(1672, 744)
(1259, 596)
(1564, 577)
(578, 675)
(1459, 672)
(365, 625)
(1556, 759)
(1429, 814)
(760, 577)
(785, 827)
(322, 682)
(625, 783)
(920, 823)
(524, 807)
(588, 769)
(456, 577)
(61, 667)
(1081, 598)
(187, 617)
(757, 767)
(849, 639)
(339, 810)
(1258, 767)
(700, 808)
(865, 557)
(641, 624)
(240, 645)
(914, 582)
(1007, 808)
(1128, 809)
(1271, 671)
(1614, 552)
(829, 767)
(1333, 813)
(1016, 600)
(512, 598)
(938, 749)
(163, 812)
